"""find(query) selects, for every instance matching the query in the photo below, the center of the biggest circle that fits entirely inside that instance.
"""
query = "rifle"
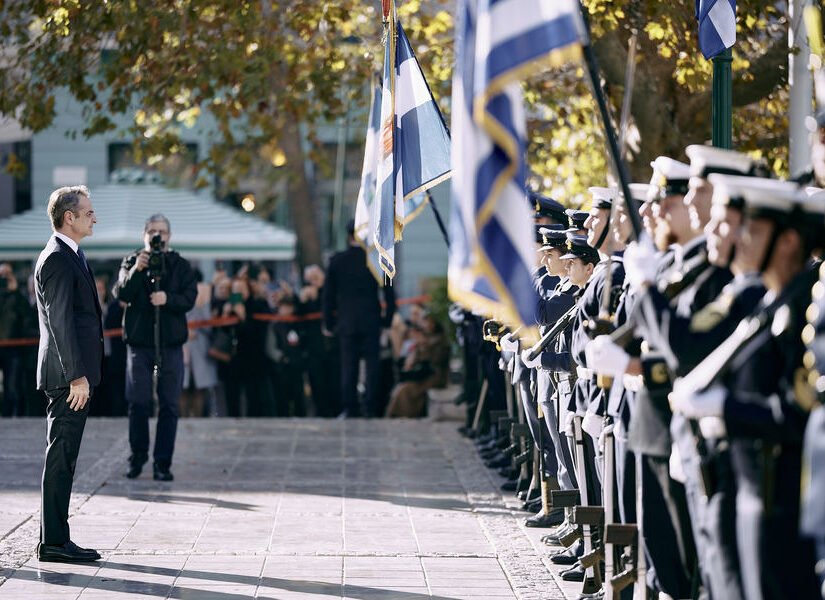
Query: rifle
(746, 338)
(565, 321)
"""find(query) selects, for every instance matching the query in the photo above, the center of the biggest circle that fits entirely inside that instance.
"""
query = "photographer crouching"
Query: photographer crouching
(159, 287)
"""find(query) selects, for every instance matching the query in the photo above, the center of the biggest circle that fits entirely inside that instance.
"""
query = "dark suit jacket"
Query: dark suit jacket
(352, 291)
(71, 329)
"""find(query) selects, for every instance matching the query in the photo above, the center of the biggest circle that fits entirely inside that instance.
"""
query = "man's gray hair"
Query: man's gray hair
(157, 218)
(63, 199)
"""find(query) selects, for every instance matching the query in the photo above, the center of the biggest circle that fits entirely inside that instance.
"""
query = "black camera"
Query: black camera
(156, 257)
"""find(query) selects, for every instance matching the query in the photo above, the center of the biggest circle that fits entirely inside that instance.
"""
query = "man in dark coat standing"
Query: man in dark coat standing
(154, 295)
(69, 361)
(351, 291)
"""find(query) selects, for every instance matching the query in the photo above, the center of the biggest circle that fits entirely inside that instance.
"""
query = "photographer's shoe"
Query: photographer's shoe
(162, 473)
(135, 466)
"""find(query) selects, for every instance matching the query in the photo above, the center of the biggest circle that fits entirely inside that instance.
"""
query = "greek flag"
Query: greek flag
(492, 249)
(413, 151)
(717, 25)
(366, 194)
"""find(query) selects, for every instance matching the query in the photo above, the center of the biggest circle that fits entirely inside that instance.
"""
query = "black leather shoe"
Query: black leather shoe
(564, 557)
(498, 461)
(508, 473)
(551, 519)
(532, 506)
(574, 573)
(554, 537)
(68, 552)
(509, 485)
(136, 462)
(162, 474)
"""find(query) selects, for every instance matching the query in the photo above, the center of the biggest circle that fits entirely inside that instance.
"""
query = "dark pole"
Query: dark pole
(612, 141)
(722, 100)
(438, 219)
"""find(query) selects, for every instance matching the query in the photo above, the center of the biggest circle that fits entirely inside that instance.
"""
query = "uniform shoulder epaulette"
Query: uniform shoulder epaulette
(714, 313)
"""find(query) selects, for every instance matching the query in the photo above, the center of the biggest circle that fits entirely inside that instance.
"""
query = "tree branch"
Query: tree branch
(766, 73)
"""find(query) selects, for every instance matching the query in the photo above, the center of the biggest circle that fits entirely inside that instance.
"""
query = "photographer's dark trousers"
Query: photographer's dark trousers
(64, 431)
(139, 365)
(355, 346)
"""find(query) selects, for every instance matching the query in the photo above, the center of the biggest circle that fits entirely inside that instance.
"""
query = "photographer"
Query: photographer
(154, 281)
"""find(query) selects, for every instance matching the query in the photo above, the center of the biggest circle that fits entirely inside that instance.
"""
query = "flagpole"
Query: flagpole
(438, 218)
(612, 141)
(722, 108)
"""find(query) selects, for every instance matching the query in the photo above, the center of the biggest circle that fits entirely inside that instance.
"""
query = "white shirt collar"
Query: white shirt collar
(69, 241)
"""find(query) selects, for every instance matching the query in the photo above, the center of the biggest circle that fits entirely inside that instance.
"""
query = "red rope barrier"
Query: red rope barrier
(219, 322)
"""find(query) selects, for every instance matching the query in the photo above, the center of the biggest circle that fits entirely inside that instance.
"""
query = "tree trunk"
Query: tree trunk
(300, 198)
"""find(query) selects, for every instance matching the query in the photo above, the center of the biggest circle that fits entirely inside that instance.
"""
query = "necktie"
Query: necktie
(83, 258)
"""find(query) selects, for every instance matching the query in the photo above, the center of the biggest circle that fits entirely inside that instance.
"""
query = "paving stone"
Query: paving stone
(279, 509)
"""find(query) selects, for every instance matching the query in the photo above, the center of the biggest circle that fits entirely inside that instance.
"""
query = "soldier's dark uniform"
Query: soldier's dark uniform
(666, 528)
(763, 420)
(587, 395)
(711, 499)
(524, 379)
(552, 382)
(812, 524)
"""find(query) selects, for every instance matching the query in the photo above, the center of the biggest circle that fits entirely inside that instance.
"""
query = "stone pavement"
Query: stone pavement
(282, 509)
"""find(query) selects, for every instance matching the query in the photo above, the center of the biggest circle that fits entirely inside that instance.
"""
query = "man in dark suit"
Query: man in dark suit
(352, 291)
(69, 361)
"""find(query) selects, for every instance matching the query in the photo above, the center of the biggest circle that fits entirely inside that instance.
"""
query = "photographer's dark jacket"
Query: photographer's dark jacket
(134, 288)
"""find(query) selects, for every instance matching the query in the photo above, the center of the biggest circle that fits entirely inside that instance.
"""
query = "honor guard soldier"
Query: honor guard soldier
(748, 387)
(666, 531)
(547, 211)
(597, 305)
(551, 310)
(577, 219)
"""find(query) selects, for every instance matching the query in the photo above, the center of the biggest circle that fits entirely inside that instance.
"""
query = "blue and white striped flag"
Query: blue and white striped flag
(492, 249)
(363, 207)
(413, 153)
(717, 25)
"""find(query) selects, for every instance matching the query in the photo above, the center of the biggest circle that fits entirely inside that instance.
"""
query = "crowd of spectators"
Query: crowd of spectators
(272, 361)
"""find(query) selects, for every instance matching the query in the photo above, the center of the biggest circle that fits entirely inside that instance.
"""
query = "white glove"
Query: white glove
(502, 364)
(677, 471)
(508, 344)
(640, 263)
(606, 357)
(603, 436)
(568, 425)
(713, 427)
(530, 363)
(710, 403)
(593, 425)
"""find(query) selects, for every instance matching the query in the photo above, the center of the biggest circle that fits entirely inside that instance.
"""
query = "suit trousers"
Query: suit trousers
(565, 470)
(64, 432)
(538, 429)
(667, 537)
(355, 346)
(139, 367)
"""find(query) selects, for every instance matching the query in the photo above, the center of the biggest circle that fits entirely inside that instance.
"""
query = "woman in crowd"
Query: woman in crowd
(425, 367)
